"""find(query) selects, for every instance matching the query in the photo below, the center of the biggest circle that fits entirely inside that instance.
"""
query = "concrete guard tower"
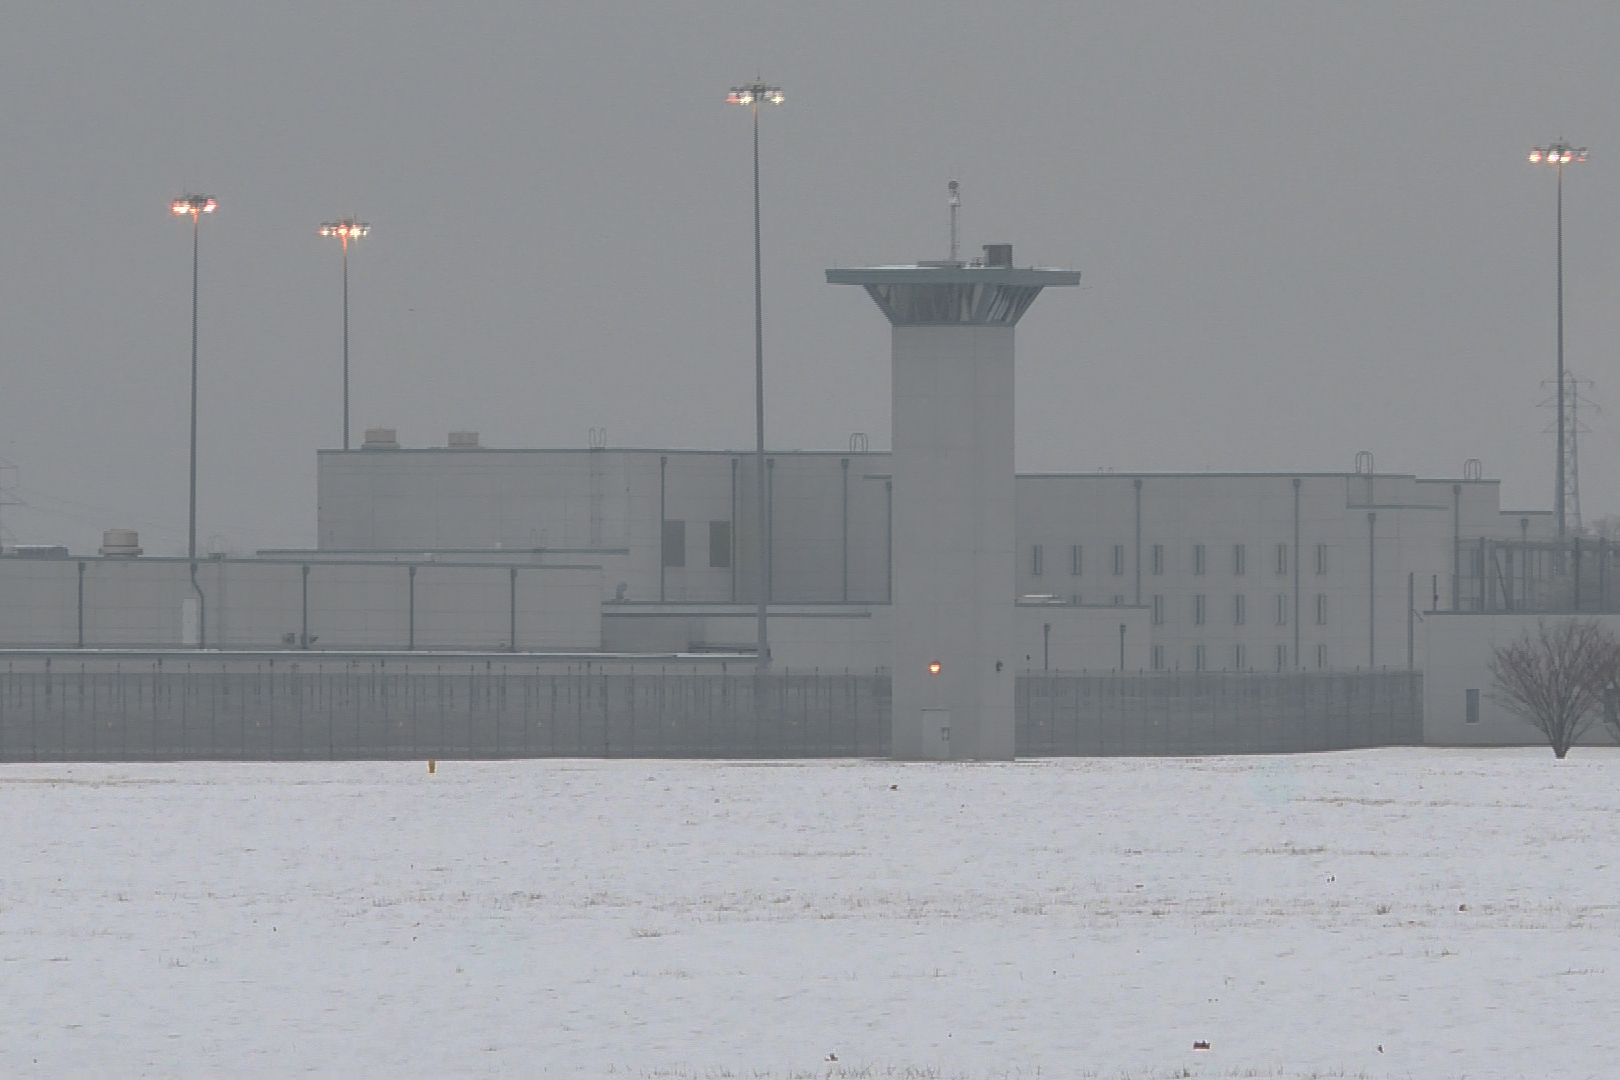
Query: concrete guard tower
(954, 551)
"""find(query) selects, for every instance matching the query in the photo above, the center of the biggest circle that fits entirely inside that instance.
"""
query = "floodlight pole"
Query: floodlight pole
(345, 343)
(345, 229)
(191, 532)
(1558, 507)
(751, 95)
(1559, 154)
(196, 206)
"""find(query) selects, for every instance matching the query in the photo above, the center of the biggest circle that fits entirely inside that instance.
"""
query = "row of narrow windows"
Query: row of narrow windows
(1240, 609)
(1200, 559)
(1242, 659)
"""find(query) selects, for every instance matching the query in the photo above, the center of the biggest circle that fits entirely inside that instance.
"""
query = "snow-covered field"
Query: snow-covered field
(708, 919)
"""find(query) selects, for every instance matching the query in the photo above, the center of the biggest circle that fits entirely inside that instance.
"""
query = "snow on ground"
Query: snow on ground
(707, 919)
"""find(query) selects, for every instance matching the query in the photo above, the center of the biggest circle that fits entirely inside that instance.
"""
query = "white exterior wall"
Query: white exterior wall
(1412, 534)
(420, 499)
(603, 506)
(1457, 650)
(954, 540)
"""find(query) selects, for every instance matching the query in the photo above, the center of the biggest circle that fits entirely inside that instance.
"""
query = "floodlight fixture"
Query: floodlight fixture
(754, 93)
(1558, 153)
(193, 205)
(345, 229)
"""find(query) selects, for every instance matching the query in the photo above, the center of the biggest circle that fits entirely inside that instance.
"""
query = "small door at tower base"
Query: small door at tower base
(936, 734)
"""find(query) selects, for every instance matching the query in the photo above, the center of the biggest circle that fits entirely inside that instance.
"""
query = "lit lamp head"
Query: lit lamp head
(934, 667)
(1558, 153)
(754, 93)
(345, 230)
(193, 205)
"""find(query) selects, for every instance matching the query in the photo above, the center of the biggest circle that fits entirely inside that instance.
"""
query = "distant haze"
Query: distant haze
(1305, 230)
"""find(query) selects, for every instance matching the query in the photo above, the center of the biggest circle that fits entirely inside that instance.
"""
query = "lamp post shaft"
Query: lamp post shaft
(1558, 496)
(345, 343)
(191, 533)
(763, 655)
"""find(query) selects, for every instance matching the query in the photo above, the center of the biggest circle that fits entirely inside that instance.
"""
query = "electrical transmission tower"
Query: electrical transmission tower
(1571, 428)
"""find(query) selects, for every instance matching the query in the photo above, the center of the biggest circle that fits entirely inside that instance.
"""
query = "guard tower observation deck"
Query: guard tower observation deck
(953, 473)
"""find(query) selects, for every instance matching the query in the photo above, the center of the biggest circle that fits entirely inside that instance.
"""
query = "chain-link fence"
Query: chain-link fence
(201, 709)
(139, 711)
(1170, 713)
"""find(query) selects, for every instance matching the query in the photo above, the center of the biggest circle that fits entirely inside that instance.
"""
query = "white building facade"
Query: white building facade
(1205, 571)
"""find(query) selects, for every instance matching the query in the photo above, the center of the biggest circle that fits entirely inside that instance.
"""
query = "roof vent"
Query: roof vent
(120, 543)
(464, 440)
(998, 255)
(380, 438)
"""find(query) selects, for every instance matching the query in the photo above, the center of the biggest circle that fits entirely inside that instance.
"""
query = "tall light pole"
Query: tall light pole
(345, 229)
(1558, 155)
(752, 95)
(196, 206)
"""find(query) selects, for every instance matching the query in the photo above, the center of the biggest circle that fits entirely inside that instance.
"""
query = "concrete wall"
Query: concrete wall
(1457, 648)
(954, 536)
(256, 604)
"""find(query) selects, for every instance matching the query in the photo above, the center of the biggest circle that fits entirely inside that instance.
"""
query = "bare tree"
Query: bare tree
(1554, 677)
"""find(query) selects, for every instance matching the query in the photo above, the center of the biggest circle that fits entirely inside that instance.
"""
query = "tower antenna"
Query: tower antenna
(954, 202)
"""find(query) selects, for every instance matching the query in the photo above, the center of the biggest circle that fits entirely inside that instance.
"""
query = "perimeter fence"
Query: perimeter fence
(65, 708)
(378, 711)
(1174, 713)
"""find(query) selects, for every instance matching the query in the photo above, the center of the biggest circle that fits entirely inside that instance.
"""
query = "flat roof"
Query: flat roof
(952, 275)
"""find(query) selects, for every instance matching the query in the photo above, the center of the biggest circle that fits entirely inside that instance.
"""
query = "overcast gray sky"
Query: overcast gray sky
(1306, 230)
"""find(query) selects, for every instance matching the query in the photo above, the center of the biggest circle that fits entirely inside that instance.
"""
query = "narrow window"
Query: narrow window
(1282, 609)
(1074, 560)
(1158, 611)
(1119, 600)
(1035, 560)
(1321, 656)
(1240, 559)
(1238, 658)
(1198, 558)
(1282, 558)
(1119, 559)
(1198, 610)
(1321, 558)
(674, 543)
(1321, 609)
(1472, 716)
(1198, 658)
(1239, 610)
(1282, 657)
(720, 543)
(1158, 658)
(1158, 558)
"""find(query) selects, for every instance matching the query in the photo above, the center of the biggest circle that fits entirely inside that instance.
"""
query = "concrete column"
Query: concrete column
(953, 534)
